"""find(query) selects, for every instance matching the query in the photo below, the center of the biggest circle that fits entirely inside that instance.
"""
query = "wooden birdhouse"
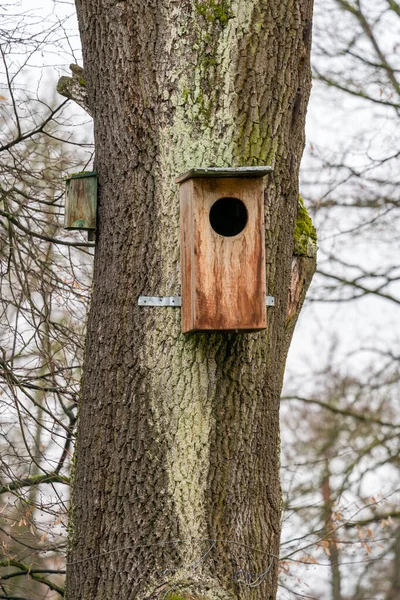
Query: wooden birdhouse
(223, 249)
(81, 201)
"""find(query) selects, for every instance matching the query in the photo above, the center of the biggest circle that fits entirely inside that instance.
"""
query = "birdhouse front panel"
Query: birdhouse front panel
(223, 254)
(81, 201)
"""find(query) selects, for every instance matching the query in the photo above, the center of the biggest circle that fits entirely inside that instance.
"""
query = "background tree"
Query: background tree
(343, 493)
(45, 278)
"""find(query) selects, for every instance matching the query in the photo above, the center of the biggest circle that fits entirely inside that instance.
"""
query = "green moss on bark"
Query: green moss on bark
(305, 234)
(215, 11)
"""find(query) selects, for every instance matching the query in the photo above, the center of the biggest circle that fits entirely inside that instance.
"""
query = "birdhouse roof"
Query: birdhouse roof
(200, 172)
(80, 175)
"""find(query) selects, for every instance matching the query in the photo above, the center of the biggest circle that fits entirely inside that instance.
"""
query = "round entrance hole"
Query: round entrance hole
(228, 216)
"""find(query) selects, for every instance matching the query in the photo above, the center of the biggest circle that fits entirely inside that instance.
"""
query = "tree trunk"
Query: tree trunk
(394, 590)
(176, 487)
(330, 537)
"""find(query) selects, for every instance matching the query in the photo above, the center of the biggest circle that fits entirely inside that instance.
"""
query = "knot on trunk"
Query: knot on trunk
(74, 88)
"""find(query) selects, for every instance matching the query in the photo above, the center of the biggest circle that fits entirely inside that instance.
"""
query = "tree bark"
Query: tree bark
(176, 486)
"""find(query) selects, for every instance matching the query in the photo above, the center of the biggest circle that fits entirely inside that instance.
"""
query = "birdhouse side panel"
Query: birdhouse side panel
(81, 203)
(187, 255)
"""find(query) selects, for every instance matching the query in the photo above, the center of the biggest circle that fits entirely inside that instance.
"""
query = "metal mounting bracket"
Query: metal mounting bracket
(176, 301)
(160, 301)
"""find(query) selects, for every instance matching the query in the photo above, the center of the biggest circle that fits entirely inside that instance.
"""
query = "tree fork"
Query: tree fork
(176, 489)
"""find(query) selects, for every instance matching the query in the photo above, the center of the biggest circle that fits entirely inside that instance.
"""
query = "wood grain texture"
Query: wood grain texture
(223, 277)
(80, 203)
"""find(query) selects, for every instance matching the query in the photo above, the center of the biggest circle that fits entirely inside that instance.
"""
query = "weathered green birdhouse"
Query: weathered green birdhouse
(81, 201)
